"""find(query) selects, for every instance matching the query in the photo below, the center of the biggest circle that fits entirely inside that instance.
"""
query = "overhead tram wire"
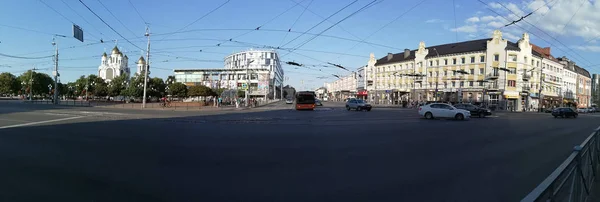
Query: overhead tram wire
(342, 20)
(74, 11)
(572, 16)
(120, 22)
(522, 28)
(110, 26)
(63, 16)
(387, 24)
(295, 21)
(565, 52)
(27, 58)
(138, 12)
(260, 26)
(280, 30)
(200, 18)
(31, 30)
(322, 21)
(342, 28)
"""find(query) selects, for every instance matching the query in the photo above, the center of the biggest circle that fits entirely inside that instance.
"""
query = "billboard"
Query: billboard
(77, 32)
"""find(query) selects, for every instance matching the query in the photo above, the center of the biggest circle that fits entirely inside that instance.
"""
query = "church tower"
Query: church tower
(113, 65)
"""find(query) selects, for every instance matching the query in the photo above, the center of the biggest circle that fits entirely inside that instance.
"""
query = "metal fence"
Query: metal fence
(574, 179)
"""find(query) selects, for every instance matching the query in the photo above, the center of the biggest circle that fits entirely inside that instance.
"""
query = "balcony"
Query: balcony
(418, 79)
(493, 87)
(526, 77)
(492, 76)
(526, 89)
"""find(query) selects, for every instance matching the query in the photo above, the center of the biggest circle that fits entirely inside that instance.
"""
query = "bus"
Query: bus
(305, 100)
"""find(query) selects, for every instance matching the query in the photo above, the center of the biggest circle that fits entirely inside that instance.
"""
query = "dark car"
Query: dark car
(318, 102)
(475, 110)
(564, 112)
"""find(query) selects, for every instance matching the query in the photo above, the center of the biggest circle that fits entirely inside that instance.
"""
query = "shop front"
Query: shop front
(362, 94)
(512, 101)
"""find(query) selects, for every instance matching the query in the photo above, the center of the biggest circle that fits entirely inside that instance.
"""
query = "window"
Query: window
(453, 61)
(496, 57)
(454, 84)
(430, 63)
(437, 62)
(472, 71)
(471, 83)
(473, 59)
(512, 83)
(481, 70)
(482, 58)
(512, 58)
(462, 61)
(480, 83)
(445, 61)
(462, 83)
(525, 59)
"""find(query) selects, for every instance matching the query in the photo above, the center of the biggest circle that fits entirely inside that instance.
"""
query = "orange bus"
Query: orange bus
(305, 100)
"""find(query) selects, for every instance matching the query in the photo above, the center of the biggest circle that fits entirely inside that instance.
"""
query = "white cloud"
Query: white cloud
(466, 29)
(434, 21)
(510, 36)
(488, 18)
(472, 19)
(478, 13)
(495, 24)
(588, 48)
(495, 5)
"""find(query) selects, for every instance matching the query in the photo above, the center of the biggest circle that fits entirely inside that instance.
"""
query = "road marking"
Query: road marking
(39, 122)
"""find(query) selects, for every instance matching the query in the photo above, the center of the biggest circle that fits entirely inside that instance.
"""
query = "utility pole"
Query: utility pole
(31, 84)
(147, 67)
(540, 98)
(55, 72)
(435, 96)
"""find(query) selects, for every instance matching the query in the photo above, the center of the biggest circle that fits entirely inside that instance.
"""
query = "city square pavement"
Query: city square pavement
(274, 153)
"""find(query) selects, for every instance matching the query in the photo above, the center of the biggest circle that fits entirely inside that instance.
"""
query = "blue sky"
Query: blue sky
(432, 21)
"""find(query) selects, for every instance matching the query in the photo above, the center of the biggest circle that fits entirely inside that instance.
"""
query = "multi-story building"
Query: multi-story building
(491, 71)
(569, 82)
(114, 65)
(257, 71)
(595, 87)
(584, 87)
(344, 87)
(550, 81)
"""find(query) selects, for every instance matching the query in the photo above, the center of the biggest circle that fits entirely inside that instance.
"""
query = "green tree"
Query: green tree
(178, 89)
(241, 93)
(219, 91)
(200, 91)
(156, 87)
(35, 81)
(118, 85)
(9, 84)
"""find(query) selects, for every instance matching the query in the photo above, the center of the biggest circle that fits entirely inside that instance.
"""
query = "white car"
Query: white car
(443, 110)
(289, 101)
(583, 110)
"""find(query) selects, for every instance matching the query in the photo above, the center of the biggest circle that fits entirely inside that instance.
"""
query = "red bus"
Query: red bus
(305, 100)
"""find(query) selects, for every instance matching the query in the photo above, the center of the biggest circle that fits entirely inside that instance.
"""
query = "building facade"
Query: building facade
(257, 71)
(114, 65)
(569, 82)
(493, 71)
(343, 88)
(584, 87)
(595, 89)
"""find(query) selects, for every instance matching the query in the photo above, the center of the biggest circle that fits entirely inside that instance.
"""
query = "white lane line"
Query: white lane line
(39, 122)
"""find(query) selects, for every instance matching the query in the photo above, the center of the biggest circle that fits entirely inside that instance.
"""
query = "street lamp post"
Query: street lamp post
(49, 89)
(435, 96)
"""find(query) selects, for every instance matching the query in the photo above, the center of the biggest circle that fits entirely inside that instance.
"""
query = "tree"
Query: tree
(200, 91)
(9, 84)
(117, 85)
(37, 82)
(219, 91)
(178, 89)
(157, 87)
(241, 93)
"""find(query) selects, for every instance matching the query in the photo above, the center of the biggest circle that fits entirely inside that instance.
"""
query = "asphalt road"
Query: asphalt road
(275, 153)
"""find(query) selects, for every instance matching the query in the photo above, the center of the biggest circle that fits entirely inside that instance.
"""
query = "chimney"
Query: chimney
(390, 56)
(406, 53)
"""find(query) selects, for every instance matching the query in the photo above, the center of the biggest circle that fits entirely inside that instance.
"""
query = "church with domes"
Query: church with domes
(114, 65)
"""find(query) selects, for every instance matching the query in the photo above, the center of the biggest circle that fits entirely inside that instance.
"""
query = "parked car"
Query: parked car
(318, 103)
(358, 105)
(289, 101)
(564, 112)
(474, 110)
(442, 110)
(582, 110)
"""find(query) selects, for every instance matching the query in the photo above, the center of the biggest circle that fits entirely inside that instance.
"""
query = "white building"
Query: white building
(569, 80)
(114, 65)
(492, 71)
(259, 59)
(257, 71)
(344, 87)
